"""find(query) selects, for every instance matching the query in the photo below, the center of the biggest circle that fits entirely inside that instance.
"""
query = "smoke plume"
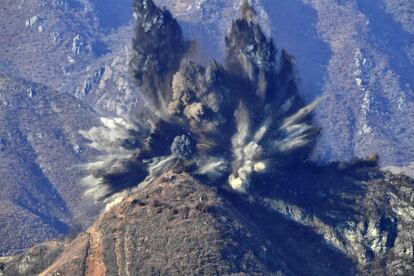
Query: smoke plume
(231, 122)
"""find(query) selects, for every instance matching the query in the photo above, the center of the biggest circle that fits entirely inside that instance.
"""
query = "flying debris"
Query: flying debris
(233, 122)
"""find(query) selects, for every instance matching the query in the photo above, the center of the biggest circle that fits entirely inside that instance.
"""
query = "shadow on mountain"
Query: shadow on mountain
(299, 23)
(113, 14)
(327, 192)
(42, 199)
(389, 37)
(299, 243)
(51, 221)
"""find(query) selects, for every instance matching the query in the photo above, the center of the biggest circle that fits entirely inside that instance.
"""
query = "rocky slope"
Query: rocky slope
(77, 47)
(352, 220)
(175, 226)
(39, 149)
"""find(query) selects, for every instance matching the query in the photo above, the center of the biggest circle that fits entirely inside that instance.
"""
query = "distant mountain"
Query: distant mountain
(40, 147)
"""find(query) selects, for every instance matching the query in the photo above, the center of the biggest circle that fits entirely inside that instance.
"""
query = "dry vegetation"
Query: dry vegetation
(39, 197)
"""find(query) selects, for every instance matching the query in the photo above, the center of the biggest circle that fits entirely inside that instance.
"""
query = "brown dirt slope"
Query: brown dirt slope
(175, 226)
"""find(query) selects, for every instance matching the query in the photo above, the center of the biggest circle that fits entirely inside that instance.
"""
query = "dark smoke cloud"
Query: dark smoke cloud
(158, 49)
(233, 121)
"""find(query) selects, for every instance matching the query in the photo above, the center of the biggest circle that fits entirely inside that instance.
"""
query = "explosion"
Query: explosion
(230, 122)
